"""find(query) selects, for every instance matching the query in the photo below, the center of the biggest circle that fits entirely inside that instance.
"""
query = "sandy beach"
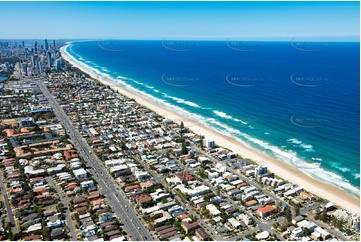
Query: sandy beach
(280, 168)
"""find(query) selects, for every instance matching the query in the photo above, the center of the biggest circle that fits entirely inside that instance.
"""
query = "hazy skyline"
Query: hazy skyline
(181, 20)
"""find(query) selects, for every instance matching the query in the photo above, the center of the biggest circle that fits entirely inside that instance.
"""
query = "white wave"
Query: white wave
(333, 179)
(124, 78)
(340, 167)
(276, 150)
(105, 69)
(294, 141)
(300, 144)
(156, 90)
(138, 82)
(222, 114)
(227, 116)
(316, 158)
(344, 169)
(356, 175)
(239, 120)
(308, 148)
(225, 127)
(150, 87)
(266, 133)
(181, 100)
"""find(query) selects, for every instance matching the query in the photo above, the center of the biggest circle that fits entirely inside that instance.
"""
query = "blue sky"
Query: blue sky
(181, 20)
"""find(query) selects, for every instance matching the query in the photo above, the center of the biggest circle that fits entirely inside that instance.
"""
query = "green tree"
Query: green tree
(317, 213)
(323, 215)
(60, 206)
(9, 225)
(297, 210)
(46, 233)
(306, 232)
(184, 147)
(177, 224)
(288, 214)
(224, 217)
(18, 236)
(202, 173)
(206, 213)
(338, 223)
(106, 237)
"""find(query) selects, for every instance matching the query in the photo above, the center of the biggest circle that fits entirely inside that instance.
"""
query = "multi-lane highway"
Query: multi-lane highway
(132, 224)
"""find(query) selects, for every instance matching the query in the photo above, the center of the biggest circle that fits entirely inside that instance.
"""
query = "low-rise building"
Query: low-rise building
(189, 227)
(80, 173)
(266, 211)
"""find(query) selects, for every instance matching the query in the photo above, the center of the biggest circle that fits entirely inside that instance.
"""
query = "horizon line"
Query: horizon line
(185, 39)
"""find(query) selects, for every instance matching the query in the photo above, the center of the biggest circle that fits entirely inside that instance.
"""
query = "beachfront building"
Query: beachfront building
(210, 144)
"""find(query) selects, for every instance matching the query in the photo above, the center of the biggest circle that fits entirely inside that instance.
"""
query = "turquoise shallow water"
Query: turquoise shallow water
(299, 106)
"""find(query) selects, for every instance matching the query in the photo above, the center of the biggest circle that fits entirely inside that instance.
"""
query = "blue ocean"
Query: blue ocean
(296, 101)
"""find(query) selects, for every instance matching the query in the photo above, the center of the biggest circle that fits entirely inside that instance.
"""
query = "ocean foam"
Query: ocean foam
(150, 87)
(181, 100)
(222, 114)
(356, 175)
(228, 117)
(316, 158)
(224, 126)
(138, 82)
(300, 144)
(241, 121)
(124, 78)
(340, 167)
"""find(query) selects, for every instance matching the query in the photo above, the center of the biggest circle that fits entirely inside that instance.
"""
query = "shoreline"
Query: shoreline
(278, 167)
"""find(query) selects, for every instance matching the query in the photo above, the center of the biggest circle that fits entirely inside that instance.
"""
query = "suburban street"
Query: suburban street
(65, 201)
(10, 215)
(132, 224)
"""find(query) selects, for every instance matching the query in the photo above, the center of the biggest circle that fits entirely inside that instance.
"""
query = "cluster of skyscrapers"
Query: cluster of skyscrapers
(44, 57)
(35, 58)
